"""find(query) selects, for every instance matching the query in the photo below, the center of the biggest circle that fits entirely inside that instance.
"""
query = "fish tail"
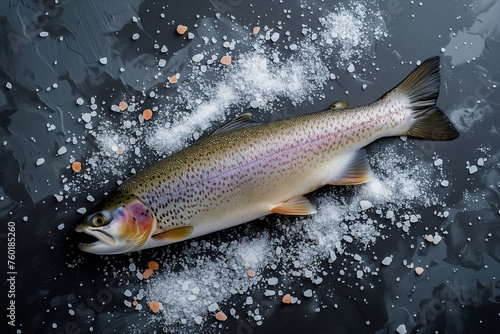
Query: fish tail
(422, 89)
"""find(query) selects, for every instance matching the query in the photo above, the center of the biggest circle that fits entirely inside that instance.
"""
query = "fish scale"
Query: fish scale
(247, 170)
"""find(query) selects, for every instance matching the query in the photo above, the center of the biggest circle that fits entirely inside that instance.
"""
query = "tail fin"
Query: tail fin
(422, 88)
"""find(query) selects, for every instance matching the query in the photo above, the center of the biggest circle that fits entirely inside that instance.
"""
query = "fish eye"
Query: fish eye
(99, 220)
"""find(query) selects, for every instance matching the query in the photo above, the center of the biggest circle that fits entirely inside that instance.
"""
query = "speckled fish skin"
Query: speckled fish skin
(235, 176)
(238, 176)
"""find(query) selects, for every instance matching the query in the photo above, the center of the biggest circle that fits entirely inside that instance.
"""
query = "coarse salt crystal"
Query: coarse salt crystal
(103, 60)
(81, 210)
(437, 239)
(365, 205)
(62, 150)
(86, 117)
(40, 161)
(198, 57)
(401, 329)
(387, 261)
(213, 307)
(272, 281)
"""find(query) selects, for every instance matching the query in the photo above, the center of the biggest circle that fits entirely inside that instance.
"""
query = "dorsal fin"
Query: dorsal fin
(241, 122)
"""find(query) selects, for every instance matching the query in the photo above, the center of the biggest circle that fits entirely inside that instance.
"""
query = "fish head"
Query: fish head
(121, 223)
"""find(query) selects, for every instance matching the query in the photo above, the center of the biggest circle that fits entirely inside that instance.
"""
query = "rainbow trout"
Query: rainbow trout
(246, 170)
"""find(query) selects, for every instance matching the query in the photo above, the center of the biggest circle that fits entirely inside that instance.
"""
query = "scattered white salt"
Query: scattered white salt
(40, 161)
(387, 261)
(162, 63)
(86, 117)
(348, 238)
(438, 162)
(401, 329)
(445, 183)
(43, 34)
(350, 68)
(115, 108)
(480, 162)
(365, 205)
(127, 293)
(473, 169)
(437, 239)
(443, 50)
(249, 300)
(81, 210)
(60, 226)
(79, 101)
(308, 293)
(198, 57)
(272, 281)
(103, 60)
(198, 319)
(213, 307)
(359, 274)
(135, 36)
(62, 150)
(8, 85)
(59, 198)
(275, 36)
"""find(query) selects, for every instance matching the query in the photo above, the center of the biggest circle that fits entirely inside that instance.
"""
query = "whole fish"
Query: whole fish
(246, 170)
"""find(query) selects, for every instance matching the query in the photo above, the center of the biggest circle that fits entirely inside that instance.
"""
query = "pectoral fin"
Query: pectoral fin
(297, 206)
(176, 234)
(339, 105)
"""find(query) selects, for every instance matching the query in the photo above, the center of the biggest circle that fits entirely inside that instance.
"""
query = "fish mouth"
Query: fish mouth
(96, 237)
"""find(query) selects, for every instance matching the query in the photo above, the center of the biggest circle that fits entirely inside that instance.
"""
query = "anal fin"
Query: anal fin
(297, 206)
(176, 234)
(356, 171)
